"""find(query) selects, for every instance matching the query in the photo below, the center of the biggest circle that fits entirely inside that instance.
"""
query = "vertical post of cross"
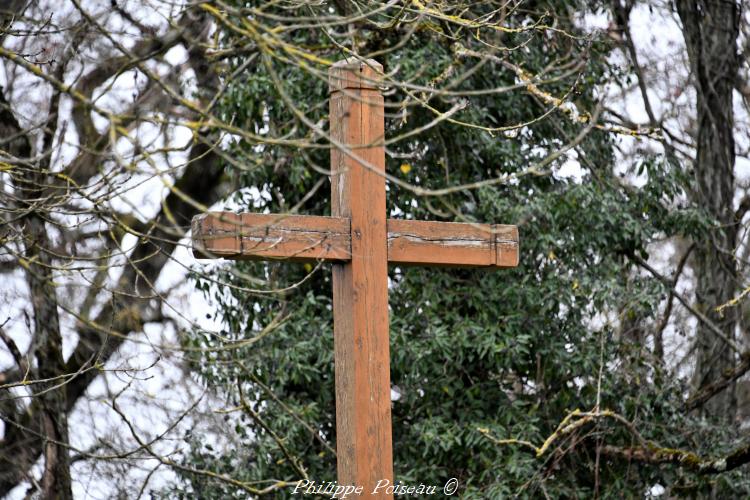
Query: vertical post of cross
(360, 286)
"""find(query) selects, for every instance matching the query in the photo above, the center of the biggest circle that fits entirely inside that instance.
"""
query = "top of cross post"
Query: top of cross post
(356, 74)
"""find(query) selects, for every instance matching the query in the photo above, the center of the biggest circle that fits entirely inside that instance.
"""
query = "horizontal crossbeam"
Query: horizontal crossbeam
(248, 236)
(452, 244)
(309, 238)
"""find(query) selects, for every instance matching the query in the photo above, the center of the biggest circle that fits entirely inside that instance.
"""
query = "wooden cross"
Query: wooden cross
(360, 242)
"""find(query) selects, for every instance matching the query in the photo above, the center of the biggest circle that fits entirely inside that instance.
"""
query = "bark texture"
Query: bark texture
(711, 29)
(40, 427)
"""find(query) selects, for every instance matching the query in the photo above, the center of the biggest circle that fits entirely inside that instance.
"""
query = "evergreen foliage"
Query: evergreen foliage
(473, 353)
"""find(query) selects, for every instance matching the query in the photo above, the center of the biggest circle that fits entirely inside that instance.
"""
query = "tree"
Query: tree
(476, 358)
(487, 368)
(711, 31)
(566, 377)
(73, 151)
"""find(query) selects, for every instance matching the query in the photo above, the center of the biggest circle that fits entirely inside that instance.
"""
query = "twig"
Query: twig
(700, 316)
(727, 377)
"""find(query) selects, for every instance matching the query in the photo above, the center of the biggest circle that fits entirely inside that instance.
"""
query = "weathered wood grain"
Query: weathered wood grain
(448, 244)
(305, 238)
(506, 245)
(355, 75)
(360, 286)
(248, 236)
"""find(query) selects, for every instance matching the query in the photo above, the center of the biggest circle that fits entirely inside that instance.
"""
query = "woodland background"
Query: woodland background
(612, 362)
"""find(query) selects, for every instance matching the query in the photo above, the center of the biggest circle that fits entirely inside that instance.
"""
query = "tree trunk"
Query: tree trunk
(710, 29)
(48, 420)
(41, 428)
(50, 362)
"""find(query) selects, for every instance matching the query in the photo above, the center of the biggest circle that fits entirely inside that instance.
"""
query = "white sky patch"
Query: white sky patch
(656, 490)
(571, 169)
